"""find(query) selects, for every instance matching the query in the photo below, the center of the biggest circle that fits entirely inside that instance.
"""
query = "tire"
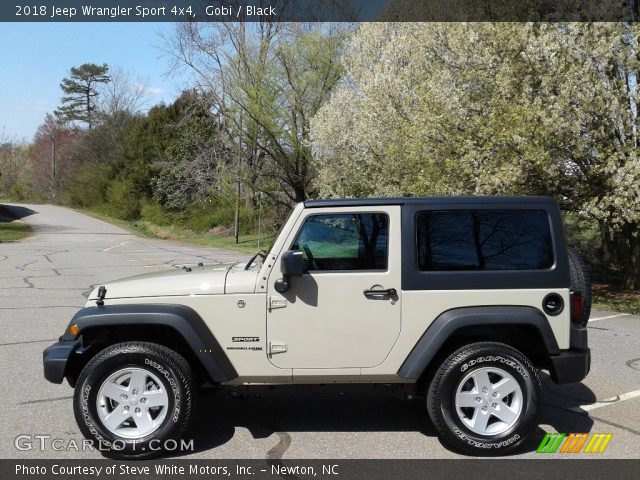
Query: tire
(458, 379)
(149, 385)
(580, 281)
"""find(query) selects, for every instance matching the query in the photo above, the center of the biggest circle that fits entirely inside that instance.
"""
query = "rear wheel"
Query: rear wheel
(134, 399)
(484, 399)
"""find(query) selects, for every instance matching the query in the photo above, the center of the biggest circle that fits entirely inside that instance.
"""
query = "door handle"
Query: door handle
(380, 294)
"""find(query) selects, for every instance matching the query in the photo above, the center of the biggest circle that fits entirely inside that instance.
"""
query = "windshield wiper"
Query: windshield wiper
(262, 254)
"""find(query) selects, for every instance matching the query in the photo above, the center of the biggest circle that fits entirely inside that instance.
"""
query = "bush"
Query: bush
(202, 219)
(86, 188)
(19, 191)
(122, 201)
(154, 213)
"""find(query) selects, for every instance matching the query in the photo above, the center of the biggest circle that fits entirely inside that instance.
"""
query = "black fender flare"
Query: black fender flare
(448, 322)
(184, 320)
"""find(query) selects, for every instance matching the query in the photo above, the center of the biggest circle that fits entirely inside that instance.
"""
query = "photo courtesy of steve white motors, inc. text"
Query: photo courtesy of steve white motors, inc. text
(167, 469)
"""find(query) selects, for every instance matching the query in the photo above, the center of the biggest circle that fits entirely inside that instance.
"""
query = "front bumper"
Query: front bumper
(572, 365)
(55, 359)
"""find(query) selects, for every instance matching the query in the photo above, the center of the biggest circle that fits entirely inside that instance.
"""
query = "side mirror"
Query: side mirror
(292, 263)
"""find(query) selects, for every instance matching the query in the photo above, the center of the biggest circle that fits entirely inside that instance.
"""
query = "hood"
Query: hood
(205, 280)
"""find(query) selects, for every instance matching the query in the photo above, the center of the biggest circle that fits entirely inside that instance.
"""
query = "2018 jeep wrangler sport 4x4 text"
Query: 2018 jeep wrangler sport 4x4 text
(460, 299)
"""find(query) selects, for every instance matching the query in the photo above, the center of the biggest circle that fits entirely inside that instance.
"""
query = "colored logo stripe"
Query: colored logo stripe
(550, 442)
(574, 442)
(598, 443)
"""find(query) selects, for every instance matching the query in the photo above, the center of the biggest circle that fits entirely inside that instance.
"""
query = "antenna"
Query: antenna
(259, 218)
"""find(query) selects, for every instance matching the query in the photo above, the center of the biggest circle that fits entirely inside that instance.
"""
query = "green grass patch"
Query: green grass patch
(12, 230)
(607, 298)
(247, 243)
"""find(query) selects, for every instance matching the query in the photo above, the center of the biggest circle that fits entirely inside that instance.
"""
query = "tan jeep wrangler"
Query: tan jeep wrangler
(461, 300)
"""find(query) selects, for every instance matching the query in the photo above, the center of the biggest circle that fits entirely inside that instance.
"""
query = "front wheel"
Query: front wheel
(484, 399)
(134, 400)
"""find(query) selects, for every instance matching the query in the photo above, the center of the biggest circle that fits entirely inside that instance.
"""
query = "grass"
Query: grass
(607, 298)
(246, 243)
(11, 229)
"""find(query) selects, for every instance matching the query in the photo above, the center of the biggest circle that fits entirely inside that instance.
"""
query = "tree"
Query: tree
(265, 82)
(50, 155)
(11, 156)
(491, 109)
(194, 171)
(80, 89)
(379, 132)
(122, 94)
(143, 148)
(94, 157)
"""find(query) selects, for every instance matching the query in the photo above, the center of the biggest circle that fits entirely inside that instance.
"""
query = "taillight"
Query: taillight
(576, 307)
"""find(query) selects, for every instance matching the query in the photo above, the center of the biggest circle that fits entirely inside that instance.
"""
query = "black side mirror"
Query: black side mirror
(292, 265)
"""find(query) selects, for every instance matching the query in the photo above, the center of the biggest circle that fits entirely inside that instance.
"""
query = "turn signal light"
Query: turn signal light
(74, 330)
(576, 306)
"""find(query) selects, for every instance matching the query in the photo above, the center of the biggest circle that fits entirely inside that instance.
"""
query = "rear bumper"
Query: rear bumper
(572, 365)
(55, 359)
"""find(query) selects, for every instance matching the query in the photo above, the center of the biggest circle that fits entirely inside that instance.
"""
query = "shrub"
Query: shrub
(122, 201)
(86, 188)
(202, 219)
(152, 212)
(19, 191)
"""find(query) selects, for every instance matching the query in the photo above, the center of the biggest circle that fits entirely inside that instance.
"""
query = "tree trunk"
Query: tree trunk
(300, 192)
(605, 242)
(89, 105)
(632, 266)
(248, 199)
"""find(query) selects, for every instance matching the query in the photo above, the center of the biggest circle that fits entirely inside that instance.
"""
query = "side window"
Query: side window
(484, 240)
(354, 241)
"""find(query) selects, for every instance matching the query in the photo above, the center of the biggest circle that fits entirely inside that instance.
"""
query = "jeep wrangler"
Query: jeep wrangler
(460, 300)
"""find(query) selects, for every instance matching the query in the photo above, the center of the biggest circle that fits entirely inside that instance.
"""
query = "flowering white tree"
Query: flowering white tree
(491, 109)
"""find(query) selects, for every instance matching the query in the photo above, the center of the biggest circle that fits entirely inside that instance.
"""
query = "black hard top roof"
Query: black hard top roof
(378, 201)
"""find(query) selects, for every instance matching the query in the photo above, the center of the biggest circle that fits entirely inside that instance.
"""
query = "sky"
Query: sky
(35, 57)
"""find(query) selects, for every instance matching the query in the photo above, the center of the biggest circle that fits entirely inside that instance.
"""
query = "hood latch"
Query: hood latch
(102, 292)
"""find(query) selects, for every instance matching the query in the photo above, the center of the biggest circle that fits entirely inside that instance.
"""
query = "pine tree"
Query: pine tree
(79, 102)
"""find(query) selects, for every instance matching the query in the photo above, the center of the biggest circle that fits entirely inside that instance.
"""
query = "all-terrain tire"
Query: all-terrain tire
(160, 368)
(455, 378)
(580, 281)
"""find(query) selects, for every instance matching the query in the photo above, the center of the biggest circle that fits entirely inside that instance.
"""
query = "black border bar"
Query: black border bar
(319, 10)
(478, 469)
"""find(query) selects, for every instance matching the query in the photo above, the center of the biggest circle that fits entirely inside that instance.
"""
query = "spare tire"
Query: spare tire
(580, 281)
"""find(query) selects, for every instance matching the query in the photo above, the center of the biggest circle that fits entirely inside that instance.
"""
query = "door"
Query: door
(344, 311)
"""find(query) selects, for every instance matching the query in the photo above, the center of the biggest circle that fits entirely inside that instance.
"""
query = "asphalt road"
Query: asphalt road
(44, 281)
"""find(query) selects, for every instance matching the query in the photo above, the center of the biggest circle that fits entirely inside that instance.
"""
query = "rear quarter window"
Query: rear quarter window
(483, 240)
